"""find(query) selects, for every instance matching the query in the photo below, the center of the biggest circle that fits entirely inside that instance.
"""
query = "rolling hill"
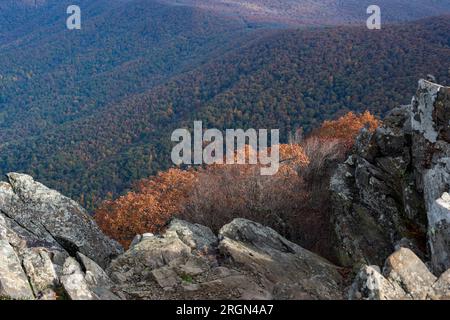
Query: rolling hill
(307, 12)
(286, 78)
(51, 75)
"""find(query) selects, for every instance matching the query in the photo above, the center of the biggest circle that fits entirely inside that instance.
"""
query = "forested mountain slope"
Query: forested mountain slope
(283, 79)
(52, 75)
(320, 11)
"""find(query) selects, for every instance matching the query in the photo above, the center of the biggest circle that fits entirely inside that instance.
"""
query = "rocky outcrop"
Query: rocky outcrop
(285, 269)
(246, 261)
(393, 191)
(51, 249)
(404, 277)
(390, 195)
(42, 233)
(45, 218)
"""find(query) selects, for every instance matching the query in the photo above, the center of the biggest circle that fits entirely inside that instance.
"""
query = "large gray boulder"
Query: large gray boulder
(196, 236)
(42, 235)
(394, 187)
(136, 264)
(165, 259)
(45, 218)
(74, 282)
(410, 273)
(370, 284)
(95, 276)
(287, 270)
(404, 277)
(247, 261)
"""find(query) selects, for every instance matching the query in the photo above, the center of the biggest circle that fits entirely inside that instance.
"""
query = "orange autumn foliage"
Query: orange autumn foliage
(177, 192)
(146, 209)
(347, 127)
(294, 154)
(225, 192)
(294, 201)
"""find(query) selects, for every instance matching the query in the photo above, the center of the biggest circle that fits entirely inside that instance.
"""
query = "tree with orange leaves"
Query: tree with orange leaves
(148, 207)
(347, 127)
(294, 201)
(238, 189)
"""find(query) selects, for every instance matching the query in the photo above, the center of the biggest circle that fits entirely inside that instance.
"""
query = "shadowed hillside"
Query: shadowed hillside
(306, 12)
(283, 79)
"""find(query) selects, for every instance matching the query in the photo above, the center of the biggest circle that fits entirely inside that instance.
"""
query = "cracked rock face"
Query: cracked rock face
(370, 284)
(287, 270)
(45, 218)
(246, 261)
(394, 188)
(13, 280)
(41, 272)
(41, 234)
(404, 277)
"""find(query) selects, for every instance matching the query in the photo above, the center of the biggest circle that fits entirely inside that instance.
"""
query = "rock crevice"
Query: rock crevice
(393, 190)
(40, 231)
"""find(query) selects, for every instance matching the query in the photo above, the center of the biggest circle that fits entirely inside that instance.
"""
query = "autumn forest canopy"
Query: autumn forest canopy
(225, 150)
(90, 113)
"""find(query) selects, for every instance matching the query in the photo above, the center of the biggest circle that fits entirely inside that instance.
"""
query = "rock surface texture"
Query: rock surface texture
(404, 277)
(48, 219)
(246, 261)
(50, 248)
(41, 234)
(393, 191)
